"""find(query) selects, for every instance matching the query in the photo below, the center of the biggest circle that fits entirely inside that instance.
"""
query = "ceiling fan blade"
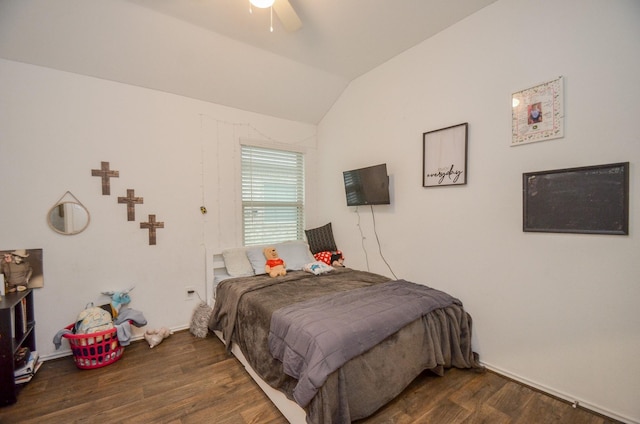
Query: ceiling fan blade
(289, 18)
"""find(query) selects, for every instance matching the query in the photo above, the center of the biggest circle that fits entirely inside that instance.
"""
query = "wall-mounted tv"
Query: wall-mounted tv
(367, 186)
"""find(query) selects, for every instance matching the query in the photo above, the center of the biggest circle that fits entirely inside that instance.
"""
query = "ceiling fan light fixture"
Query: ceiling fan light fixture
(262, 4)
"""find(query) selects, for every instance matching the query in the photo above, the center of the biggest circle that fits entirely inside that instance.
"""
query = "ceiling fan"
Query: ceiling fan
(288, 17)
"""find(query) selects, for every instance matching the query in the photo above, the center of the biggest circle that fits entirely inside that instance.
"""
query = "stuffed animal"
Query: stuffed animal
(200, 320)
(337, 259)
(117, 300)
(275, 265)
(155, 337)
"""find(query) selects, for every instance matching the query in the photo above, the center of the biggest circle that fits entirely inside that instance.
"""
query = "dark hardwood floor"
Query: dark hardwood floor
(190, 380)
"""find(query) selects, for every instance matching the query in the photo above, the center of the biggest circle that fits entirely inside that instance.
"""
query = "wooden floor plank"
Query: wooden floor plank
(189, 380)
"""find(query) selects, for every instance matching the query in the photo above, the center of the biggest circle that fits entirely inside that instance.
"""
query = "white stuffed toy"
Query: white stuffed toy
(155, 337)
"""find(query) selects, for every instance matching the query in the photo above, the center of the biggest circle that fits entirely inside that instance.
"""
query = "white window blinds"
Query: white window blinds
(272, 195)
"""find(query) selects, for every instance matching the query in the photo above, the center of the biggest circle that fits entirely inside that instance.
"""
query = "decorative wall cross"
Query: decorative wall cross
(152, 225)
(131, 202)
(105, 173)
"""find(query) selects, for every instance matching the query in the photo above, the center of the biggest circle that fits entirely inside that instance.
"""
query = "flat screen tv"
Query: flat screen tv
(367, 186)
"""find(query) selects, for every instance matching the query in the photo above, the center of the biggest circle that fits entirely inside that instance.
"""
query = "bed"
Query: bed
(264, 321)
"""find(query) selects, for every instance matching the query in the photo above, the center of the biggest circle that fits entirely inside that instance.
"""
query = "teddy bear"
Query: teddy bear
(275, 265)
(155, 337)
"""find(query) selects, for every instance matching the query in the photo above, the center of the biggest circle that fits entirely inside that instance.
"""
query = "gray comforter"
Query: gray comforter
(437, 340)
(316, 337)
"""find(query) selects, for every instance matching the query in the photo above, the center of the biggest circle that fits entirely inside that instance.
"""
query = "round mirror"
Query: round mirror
(68, 218)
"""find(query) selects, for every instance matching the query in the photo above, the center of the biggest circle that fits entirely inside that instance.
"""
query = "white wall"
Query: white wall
(554, 310)
(176, 153)
(557, 311)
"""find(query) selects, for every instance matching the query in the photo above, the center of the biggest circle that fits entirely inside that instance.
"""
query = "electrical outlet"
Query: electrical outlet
(190, 293)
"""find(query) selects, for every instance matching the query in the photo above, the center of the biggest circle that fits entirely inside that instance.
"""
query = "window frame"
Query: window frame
(280, 202)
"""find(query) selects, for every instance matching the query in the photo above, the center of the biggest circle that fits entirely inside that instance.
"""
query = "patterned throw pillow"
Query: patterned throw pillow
(321, 239)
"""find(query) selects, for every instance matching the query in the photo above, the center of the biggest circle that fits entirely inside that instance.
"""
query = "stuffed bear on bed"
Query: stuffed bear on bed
(275, 265)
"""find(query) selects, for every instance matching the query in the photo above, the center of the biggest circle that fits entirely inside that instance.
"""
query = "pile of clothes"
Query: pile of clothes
(94, 319)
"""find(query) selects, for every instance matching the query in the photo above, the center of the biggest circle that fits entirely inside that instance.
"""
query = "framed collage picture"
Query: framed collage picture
(538, 113)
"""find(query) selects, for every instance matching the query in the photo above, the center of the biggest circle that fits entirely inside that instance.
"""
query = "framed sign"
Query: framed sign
(444, 156)
(589, 200)
(538, 113)
(21, 269)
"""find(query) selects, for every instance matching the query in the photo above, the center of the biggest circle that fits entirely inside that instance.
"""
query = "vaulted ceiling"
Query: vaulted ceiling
(215, 50)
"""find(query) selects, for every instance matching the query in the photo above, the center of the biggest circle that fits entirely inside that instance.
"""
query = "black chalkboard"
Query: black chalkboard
(590, 199)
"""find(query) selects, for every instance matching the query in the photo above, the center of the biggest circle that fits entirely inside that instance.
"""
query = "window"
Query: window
(272, 195)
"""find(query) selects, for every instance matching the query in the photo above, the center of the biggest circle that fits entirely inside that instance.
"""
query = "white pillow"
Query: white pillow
(294, 253)
(317, 267)
(237, 262)
(257, 259)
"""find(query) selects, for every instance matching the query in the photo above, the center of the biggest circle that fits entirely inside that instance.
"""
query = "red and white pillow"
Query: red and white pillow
(326, 256)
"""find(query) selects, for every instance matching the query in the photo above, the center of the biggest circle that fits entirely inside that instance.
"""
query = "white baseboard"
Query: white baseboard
(67, 352)
(561, 395)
